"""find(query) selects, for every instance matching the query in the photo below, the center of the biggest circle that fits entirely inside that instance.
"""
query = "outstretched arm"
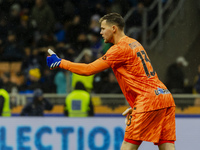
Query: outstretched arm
(97, 66)
(84, 69)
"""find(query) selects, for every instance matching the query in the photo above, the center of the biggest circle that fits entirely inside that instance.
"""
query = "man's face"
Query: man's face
(106, 32)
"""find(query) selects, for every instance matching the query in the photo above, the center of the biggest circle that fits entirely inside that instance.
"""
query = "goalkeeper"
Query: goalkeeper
(152, 113)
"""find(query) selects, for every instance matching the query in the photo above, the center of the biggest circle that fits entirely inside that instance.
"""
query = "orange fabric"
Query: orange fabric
(136, 76)
(134, 73)
(84, 69)
(153, 126)
(133, 141)
(164, 141)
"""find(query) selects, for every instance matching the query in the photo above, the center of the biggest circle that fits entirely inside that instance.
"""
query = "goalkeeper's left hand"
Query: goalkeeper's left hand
(53, 61)
(127, 113)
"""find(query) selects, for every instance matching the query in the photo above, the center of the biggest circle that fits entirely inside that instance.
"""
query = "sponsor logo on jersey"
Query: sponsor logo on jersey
(161, 91)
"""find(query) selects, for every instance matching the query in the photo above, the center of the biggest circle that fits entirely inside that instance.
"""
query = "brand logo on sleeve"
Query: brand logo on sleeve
(104, 57)
(134, 45)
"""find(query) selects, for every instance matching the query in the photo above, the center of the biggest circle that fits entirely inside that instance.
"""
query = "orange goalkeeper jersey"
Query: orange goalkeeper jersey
(134, 72)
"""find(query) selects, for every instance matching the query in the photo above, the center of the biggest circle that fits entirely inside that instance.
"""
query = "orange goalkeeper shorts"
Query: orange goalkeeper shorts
(153, 126)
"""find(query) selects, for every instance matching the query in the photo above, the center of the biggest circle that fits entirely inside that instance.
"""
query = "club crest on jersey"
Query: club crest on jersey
(104, 57)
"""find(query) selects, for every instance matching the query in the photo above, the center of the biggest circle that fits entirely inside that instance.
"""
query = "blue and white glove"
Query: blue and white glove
(53, 61)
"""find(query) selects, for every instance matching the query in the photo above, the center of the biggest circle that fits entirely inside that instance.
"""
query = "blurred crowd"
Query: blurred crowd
(28, 28)
(71, 28)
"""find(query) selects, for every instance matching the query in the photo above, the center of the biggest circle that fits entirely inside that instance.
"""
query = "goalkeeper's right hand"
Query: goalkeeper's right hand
(53, 61)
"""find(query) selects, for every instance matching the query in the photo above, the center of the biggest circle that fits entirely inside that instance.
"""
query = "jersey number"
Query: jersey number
(129, 120)
(144, 61)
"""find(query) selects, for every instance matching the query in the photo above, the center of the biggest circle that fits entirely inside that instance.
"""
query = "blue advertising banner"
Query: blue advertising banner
(95, 133)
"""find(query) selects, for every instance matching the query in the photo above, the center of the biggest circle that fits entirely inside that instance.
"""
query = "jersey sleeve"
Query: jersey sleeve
(114, 56)
(84, 69)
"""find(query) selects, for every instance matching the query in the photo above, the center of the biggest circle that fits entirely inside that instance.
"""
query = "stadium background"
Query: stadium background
(180, 37)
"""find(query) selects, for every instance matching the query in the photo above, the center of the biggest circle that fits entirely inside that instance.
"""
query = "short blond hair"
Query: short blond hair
(114, 18)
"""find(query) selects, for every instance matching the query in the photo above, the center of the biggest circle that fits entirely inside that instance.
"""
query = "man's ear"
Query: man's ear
(114, 28)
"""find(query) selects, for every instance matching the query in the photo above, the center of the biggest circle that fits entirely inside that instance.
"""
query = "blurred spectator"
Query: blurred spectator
(7, 84)
(12, 51)
(99, 8)
(74, 29)
(60, 33)
(46, 39)
(81, 43)
(45, 42)
(37, 106)
(136, 18)
(47, 84)
(119, 6)
(31, 60)
(5, 5)
(164, 2)
(86, 80)
(3, 29)
(95, 44)
(94, 23)
(4, 102)
(112, 85)
(32, 82)
(196, 88)
(69, 8)
(58, 9)
(84, 10)
(34, 64)
(24, 30)
(42, 17)
(87, 56)
(26, 5)
(116, 7)
(13, 97)
(78, 103)
(135, 22)
(14, 18)
(106, 82)
(65, 51)
(60, 82)
(99, 80)
(175, 76)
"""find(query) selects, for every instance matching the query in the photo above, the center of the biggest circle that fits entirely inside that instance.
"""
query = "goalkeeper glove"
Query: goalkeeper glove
(127, 113)
(53, 61)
